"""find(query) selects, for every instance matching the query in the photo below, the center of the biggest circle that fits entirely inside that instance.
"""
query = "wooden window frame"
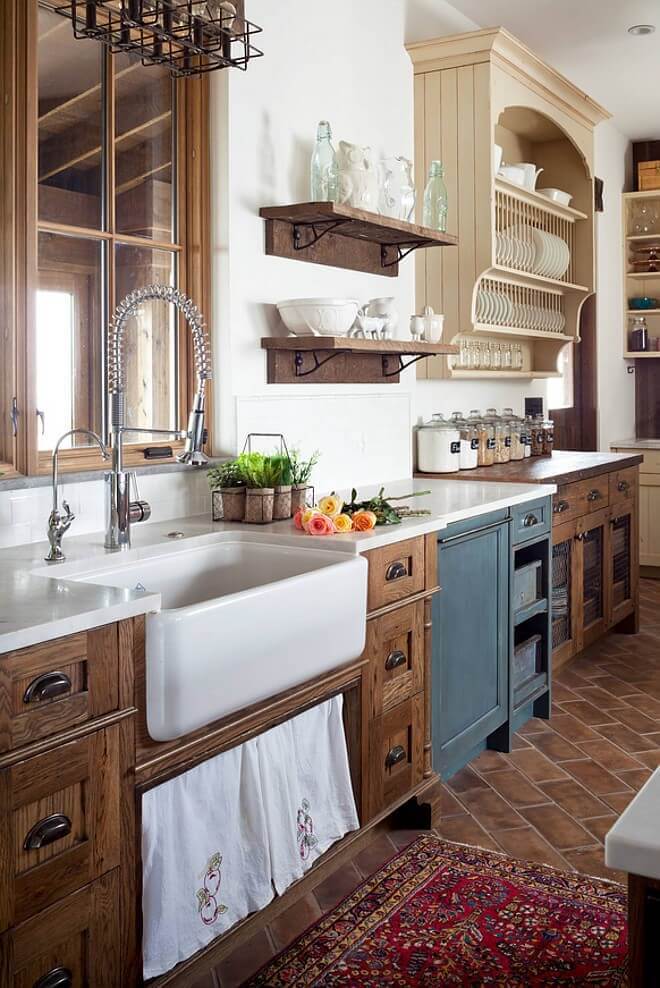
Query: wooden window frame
(20, 225)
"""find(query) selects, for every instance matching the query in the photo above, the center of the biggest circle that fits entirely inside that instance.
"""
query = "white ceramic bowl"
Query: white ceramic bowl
(512, 173)
(556, 195)
(318, 316)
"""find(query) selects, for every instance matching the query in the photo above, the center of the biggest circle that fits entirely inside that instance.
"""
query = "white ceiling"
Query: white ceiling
(587, 40)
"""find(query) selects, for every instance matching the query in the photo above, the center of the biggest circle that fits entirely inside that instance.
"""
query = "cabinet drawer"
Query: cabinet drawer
(396, 753)
(395, 646)
(395, 572)
(78, 936)
(593, 494)
(54, 686)
(623, 485)
(59, 823)
(530, 520)
(566, 505)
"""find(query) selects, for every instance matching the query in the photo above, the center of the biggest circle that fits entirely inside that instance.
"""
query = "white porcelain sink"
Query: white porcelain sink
(240, 621)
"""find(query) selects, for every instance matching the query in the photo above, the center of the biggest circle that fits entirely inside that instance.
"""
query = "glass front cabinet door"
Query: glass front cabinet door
(593, 576)
(622, 564)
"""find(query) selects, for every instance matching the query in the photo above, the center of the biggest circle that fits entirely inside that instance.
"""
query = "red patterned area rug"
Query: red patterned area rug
(445, 914)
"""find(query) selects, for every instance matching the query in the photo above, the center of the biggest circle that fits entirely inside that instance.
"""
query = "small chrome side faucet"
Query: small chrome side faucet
(59, 522)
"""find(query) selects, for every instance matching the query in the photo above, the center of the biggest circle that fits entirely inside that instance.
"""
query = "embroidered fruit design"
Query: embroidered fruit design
(305, 830)
(207, 903)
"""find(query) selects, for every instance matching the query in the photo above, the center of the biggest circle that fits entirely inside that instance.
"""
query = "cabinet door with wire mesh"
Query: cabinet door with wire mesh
(622, 563)
(564, 583)
(594, 576)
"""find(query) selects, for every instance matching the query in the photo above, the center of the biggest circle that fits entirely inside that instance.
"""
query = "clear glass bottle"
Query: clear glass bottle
(495, 356)
(434, 213)
(324, 177)
(477, 358)
(464, 355)
(507, 357)
(517, 357)
(485, 355)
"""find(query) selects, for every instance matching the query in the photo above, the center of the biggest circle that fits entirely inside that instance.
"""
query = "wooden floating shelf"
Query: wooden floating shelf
(642, 312)
(343, 359)
(345, 237)
(641, 354)
(642, 237)
(541, 202)
(640, 275)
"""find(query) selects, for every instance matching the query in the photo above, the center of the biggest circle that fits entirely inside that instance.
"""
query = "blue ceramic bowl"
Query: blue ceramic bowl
(643, 303)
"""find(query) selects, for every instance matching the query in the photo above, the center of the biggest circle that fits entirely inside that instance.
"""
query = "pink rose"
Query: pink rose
(320, 525)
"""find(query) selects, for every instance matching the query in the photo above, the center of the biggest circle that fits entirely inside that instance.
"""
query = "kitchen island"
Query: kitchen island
(595, 529)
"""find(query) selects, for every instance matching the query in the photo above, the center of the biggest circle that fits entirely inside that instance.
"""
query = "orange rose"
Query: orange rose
(364, 521)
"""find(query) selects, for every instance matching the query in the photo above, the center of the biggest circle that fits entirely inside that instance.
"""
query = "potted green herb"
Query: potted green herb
(282, 503)
(301, 471)
(260, 478)
(228, 480)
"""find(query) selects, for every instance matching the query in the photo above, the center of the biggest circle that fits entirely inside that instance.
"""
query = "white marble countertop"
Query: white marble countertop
(633, 843)
(38, 602)
(636, 444)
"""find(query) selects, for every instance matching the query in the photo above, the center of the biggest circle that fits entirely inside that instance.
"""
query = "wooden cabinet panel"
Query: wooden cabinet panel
(565, 608)
(623, 486)
(649, 520)
(79, 934)
(470, 674)
(54, 686)
(395, 572)
(623, 563)
(395, 645)
(59, 823)
(593, 494)
(592, 575)
(396, 754)
(565, 505)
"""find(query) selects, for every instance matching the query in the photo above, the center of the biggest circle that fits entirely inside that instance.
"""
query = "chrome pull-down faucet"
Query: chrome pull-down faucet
(118, 501)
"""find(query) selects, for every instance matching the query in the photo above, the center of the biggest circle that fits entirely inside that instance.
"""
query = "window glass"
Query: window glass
(70, 127)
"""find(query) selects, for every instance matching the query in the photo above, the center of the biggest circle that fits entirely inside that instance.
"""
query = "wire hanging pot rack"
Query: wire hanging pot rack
(190, 37)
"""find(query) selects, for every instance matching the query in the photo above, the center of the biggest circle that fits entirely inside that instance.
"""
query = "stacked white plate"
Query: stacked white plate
(526, 248)
(494, 308)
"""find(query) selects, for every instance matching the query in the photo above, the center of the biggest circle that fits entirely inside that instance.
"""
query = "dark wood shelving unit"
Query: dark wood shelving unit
(343, 359)
(345, 237)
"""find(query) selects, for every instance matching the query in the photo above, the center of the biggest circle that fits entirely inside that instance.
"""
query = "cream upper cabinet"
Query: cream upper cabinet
(525, 264)
(649, 504)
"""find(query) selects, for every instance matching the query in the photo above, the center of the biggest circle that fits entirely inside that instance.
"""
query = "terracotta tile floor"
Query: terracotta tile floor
(551, 800)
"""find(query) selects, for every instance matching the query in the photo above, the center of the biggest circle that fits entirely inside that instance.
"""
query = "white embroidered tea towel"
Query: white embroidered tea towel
(205, 856)
(306, 783)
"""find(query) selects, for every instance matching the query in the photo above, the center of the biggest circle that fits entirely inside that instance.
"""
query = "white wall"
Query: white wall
(264, 125)
(616, 388)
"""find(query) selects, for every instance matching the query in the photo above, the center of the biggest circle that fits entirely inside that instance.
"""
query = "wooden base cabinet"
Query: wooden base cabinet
(595, 562)
(649, 506)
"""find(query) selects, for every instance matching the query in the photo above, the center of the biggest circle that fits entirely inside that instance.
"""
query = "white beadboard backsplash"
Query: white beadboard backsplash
(24, 513)
(363, 439)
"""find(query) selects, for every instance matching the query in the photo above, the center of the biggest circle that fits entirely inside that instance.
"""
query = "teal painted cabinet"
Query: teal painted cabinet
(470, 671)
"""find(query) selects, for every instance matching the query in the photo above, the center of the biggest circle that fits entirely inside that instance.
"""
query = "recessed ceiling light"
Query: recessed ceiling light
(638, 29)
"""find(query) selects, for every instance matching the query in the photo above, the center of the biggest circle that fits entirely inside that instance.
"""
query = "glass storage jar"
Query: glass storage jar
(537, 436)
(502, 436)
(516, 428)
(548, 437)
(469, 455)
(438, 446)
(527, 435)
(486, 439)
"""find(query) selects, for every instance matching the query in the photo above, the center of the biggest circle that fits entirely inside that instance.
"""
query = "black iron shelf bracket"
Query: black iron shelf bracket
(319, 231)
(402, 250)
(299, 361)
(401, 365)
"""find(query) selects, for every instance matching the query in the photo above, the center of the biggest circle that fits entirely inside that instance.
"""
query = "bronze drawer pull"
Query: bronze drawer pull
(47, 831)
(47, 687)
(594, 495)
(395, 755)
(530, 520)
(395, 659)
(59, 977)
(623, 486)
(560, 507)
(396, 571)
